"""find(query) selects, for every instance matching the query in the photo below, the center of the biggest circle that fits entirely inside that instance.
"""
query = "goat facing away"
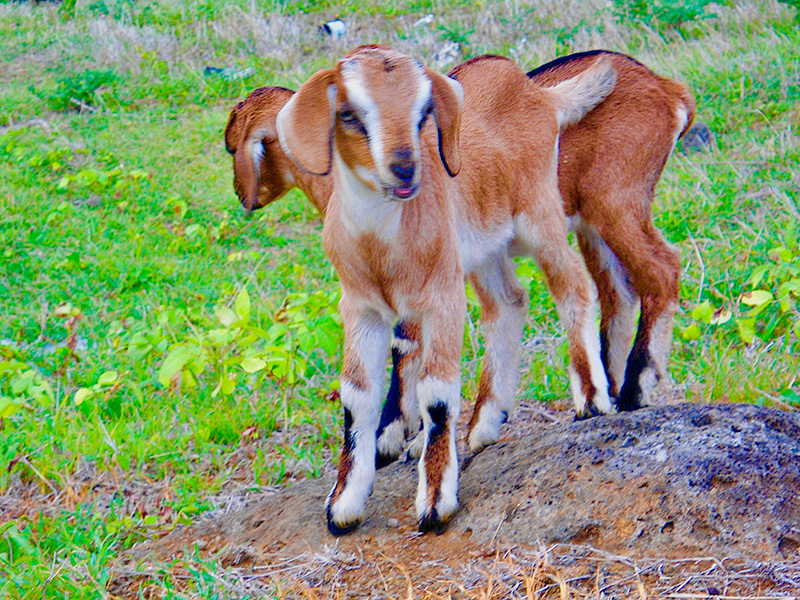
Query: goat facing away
(609, 163)
(406, 223)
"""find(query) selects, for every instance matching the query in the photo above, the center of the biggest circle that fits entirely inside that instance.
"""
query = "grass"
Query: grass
(157, 340)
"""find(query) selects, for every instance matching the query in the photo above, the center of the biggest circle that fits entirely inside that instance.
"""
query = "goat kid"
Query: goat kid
(403, 231)
(608, 165)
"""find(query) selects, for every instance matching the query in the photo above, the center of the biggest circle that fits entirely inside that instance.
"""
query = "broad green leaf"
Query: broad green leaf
(226, 316)
(174, 362)
(758, 274)
(703, 312)
(756, 297)
(82, 395)
(747, 330)
(8, 407)
(107, 378)
(228, 383)
(242, 305)
(692, 332)
(253, 364)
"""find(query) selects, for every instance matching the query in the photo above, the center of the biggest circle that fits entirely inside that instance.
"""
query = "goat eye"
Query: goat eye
(348, 117)
(426, 113)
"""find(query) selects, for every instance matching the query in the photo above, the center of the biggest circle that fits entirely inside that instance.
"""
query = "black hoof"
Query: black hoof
(629, 400)
(383, 460)
(431, 522)
(341, 530)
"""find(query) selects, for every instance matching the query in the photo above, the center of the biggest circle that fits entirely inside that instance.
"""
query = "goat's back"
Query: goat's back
(508, 132)
(625, 141)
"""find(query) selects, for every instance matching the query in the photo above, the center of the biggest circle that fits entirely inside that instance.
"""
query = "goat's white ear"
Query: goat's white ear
(448, 97)
(305, 124)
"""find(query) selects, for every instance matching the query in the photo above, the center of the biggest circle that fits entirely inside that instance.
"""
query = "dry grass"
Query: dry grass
(558, 571)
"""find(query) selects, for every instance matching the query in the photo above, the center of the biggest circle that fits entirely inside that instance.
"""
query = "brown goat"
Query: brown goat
(609, 161)
(403, 231)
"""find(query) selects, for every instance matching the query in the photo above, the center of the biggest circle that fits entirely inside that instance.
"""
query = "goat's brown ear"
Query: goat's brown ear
(305, 124)
(249, 124)
(448, 96)
(233, 130)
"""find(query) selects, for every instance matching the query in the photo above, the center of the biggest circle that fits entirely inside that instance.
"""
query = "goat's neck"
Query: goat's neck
(364, 210)
(318, 188)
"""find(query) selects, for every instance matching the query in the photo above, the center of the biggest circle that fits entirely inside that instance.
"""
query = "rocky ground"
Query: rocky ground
(675, 499)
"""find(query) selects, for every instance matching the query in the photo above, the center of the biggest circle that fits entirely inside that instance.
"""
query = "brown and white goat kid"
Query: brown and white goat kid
(608, 163)
(403, 231)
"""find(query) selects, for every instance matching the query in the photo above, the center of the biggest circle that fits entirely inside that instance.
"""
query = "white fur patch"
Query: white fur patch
(477, 245)
(580, 94)
(622, 325)
(487, 430)
(393, 439)
(682, 115)
(358, 95)
(404, 345)
(370, 342)
(365, 210)
(257, 151)
(503, 349)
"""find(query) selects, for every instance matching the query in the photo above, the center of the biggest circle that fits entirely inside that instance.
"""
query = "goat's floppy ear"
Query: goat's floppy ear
(248, 126)
(448, 97)
(305, 124)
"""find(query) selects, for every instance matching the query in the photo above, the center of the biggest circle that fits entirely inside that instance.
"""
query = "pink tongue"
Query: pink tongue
(403, 192)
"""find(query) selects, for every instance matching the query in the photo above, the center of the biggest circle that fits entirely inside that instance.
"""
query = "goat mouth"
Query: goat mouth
(405, 193)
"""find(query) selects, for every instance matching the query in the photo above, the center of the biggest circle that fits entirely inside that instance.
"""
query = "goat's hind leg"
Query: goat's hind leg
(543, 233)
(619, 304)
(366, 344)
(400, 415)
(504, 306)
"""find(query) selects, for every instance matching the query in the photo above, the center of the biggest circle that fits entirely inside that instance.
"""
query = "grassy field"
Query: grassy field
(163, 353)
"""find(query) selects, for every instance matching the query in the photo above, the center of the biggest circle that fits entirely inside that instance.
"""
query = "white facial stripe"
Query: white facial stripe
(420, 103)
(358, 95)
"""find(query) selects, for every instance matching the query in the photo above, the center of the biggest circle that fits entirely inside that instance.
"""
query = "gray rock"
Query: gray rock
(671, 481)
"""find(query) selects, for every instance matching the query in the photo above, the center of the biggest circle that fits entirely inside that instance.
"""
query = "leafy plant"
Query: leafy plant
(80, 90)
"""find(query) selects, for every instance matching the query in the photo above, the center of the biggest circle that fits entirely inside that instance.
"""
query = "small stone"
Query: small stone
(393, 523)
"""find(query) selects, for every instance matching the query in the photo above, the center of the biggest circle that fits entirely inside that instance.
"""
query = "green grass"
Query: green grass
(130, 351)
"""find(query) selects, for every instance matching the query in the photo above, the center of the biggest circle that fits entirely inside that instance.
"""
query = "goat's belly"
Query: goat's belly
(477, 245)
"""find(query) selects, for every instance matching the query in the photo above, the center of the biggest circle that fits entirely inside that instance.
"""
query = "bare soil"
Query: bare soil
(671, 500)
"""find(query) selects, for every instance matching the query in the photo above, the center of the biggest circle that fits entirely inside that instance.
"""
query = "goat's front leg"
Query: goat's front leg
(400, 415)
(366, 343)
(439, 392)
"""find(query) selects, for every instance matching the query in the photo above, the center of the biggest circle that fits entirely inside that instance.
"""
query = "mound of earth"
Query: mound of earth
(672, 481)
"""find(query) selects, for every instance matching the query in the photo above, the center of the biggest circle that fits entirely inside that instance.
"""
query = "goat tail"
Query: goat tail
(577, 96)
(680, 90)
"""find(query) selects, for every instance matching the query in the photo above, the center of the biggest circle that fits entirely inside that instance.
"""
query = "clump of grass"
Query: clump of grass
(81, 90)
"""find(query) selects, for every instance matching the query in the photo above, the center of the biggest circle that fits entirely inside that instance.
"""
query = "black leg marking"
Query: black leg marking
(438, 414)
(345, 465)
(630, 396)
(392, 410)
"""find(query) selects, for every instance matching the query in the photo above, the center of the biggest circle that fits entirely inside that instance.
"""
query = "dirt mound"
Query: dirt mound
(672, 481)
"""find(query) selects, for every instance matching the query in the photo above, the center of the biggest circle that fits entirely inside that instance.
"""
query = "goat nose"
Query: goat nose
(402, 166)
